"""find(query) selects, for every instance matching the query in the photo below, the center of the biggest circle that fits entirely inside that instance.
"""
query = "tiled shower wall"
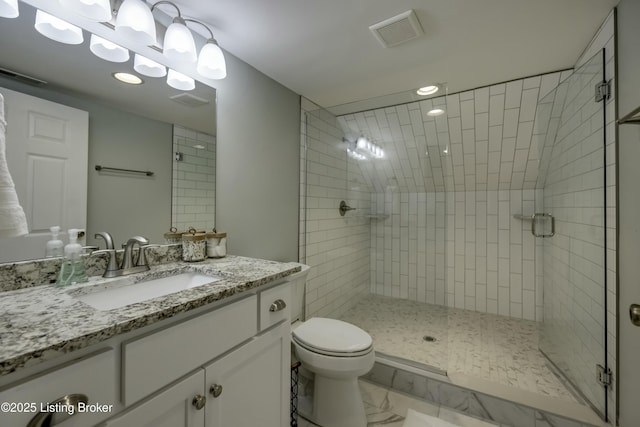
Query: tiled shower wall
(336, 247)
(194, 180)
(481, 158)
(408, 246)
(489, 254)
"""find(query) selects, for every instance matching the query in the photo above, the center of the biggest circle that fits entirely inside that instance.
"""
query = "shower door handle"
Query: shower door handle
(634, 314)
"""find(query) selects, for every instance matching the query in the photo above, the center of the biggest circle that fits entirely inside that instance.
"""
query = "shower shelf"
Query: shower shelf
(372, 216)
(534, 227)
(525, 217)
(377, 216)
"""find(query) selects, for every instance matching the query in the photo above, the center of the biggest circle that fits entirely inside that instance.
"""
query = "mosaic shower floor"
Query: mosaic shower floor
(495, 348)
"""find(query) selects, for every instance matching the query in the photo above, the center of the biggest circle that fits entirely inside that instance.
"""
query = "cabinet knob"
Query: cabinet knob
(277, 305)
(199, 401)
(215, 390)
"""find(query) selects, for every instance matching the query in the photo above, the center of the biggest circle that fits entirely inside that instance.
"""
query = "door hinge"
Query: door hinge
(603, 376)
(603, 90)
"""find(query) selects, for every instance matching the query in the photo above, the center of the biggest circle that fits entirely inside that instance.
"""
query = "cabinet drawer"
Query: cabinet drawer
(275, 305)
(151, 362)
(94, 376)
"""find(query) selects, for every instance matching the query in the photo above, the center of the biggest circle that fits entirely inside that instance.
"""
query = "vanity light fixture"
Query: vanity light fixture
(135, 22)
(179, 81)
(107, 50)
(363, 149)
(178, 42)
(95, 10)
(435, 112)
(56, 29)
(211, 63)
(9, 8)
(428, 90)
(147, 67)
(131, 79)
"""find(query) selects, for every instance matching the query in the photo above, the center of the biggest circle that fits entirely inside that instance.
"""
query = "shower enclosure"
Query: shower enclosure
(477, 247)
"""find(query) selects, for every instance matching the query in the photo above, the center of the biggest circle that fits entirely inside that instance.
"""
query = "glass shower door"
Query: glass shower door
(570, 227)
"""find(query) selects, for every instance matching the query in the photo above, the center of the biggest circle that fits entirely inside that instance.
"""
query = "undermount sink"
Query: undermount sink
(119, 296)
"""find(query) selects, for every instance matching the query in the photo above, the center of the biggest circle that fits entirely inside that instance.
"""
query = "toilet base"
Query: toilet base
(336, 403)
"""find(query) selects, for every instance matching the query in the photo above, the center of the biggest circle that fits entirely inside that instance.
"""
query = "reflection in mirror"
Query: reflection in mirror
(129, 127)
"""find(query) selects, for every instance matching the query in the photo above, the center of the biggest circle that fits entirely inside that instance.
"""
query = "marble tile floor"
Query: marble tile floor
(494, 348)
(389, 409)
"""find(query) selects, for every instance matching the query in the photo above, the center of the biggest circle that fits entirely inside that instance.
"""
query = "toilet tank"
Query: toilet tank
(298, 283)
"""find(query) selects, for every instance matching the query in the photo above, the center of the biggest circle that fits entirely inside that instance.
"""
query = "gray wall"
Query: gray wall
(257, 164)
(629, 206)
(121, 204)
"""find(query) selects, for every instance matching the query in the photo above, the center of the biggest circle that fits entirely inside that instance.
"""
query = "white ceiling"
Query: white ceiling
(323, 49)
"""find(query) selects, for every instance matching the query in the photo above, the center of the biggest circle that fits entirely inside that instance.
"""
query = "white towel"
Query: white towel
(418, 419)
(13, 221)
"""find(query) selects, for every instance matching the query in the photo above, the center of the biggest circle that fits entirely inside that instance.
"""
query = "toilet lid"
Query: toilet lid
(334, 336)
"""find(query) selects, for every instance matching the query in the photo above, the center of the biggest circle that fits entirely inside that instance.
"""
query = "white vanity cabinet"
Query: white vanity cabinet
(225, 368)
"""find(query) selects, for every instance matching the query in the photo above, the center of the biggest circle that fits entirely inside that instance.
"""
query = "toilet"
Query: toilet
(336, 353)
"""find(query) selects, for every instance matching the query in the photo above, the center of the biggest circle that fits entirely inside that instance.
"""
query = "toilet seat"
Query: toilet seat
(332, 337)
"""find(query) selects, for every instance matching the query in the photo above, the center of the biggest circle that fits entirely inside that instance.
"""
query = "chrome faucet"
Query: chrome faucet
(128, 266)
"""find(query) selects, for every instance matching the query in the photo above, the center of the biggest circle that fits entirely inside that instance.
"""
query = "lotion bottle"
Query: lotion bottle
(54, 246)
(72, 270)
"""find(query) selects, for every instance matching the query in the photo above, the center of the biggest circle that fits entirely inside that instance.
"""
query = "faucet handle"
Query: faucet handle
(141, 240)
(142, 256)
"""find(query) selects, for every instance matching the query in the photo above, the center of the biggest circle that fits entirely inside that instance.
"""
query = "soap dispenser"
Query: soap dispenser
(54, 246)
(72, 270)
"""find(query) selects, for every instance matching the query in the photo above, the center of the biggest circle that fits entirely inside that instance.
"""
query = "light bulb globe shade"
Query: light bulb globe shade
(179, 81)
(147, 67)
(95, 10)
(211, 63)
(9, 8)
(135, 22)
(179, 44)
(361, 143)
(107, 50)
(56, 29)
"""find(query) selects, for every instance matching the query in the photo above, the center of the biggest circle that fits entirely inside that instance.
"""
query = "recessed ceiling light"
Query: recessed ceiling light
(131, 79)
(427, 90)
(199, 147)
(435, 112)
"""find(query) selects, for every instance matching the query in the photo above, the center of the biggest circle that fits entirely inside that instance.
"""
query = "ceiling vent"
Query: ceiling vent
(189, 100)
(397, 30)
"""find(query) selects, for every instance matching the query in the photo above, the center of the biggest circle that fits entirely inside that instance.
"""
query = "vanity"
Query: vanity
(216, 354)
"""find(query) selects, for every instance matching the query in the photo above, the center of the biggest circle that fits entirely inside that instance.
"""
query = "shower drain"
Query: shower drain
(428, 338)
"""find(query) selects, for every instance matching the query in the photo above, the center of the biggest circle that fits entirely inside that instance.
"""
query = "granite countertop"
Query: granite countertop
(43, 322)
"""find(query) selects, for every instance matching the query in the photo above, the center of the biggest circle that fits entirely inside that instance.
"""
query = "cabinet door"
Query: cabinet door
(253, 383)
(174, 407)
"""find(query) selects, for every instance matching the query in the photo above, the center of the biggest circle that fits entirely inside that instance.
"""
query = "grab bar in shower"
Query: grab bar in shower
(534, 220)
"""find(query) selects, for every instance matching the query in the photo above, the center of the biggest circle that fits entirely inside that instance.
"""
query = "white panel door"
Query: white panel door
(47, 148)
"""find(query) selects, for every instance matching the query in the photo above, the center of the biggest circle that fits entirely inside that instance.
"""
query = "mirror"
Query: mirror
(130, 127)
